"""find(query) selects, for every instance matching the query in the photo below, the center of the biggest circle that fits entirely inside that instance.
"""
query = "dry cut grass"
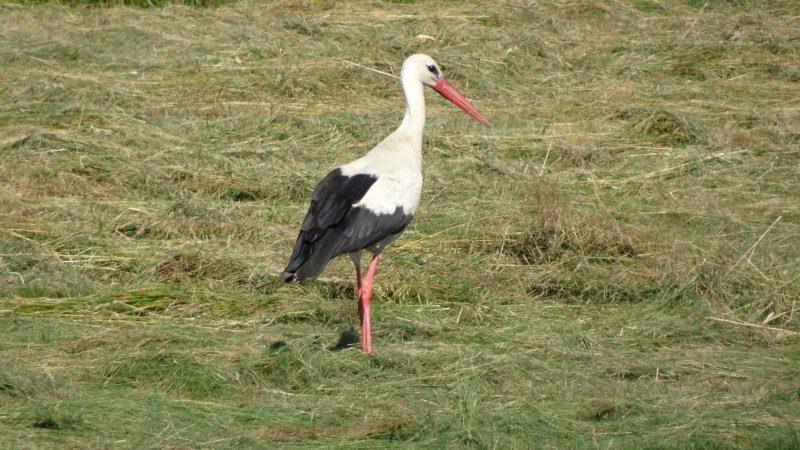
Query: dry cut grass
(614, 263)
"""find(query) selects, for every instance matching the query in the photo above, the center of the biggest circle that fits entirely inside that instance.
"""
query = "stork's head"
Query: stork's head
(424, 68)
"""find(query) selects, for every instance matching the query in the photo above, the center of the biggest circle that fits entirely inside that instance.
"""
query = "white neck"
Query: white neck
(401, 150)
(414, 119)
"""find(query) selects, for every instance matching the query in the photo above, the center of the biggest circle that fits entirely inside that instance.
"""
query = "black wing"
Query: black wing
(334, 226)
(332, 200)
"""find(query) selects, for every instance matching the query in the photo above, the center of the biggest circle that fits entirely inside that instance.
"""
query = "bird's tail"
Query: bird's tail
(288, 276)
(309, 259)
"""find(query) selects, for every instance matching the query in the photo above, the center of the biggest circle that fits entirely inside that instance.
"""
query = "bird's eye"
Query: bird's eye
(433, 70)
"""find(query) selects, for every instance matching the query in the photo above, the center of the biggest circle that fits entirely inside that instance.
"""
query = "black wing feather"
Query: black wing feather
(364, 229)
(334, 196)
(332, 199)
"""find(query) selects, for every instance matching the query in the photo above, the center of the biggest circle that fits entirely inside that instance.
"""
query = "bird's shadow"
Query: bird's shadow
(348, 338)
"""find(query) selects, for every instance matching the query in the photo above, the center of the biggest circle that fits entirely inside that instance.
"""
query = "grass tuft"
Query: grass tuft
(51, 418)
(664, 126)
(170, 372)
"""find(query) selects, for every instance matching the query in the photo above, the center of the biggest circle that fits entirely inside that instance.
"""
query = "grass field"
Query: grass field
(614, 263)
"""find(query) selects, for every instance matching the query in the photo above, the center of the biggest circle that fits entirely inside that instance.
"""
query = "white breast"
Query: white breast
(391, 191)
(399, 184)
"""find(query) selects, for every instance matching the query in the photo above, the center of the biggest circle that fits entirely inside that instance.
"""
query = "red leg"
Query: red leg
(358, 290)
(358, 280)
(363, 305)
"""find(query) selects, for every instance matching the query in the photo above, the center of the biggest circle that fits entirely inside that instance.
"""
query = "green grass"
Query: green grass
(612, 264)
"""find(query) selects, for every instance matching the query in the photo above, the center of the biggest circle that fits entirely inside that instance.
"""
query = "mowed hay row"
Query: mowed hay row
(612, 263)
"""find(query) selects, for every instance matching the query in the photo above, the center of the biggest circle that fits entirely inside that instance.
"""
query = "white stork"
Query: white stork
(366, 204)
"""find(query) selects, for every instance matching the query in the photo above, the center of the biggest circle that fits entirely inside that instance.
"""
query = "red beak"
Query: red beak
(449, 92)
